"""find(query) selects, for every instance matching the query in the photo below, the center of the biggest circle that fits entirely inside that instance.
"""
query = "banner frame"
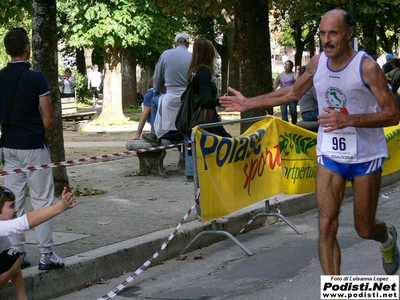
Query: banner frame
(215, 230)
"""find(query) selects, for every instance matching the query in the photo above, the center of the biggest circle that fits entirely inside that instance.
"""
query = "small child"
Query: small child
(10, 260)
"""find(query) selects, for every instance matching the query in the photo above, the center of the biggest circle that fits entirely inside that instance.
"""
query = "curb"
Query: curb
(113, 260)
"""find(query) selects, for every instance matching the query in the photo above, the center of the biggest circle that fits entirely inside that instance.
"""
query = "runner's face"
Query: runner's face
(9, 211)
(333, 35)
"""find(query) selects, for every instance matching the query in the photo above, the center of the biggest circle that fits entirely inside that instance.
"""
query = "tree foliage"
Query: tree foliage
(385, 17)
(118, 26)
(212, 20)
(14, 10)
(122, 23)
(297, 22)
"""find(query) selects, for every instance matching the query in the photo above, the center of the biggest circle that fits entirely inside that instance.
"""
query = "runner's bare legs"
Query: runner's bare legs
(366, 196)
(330, 193)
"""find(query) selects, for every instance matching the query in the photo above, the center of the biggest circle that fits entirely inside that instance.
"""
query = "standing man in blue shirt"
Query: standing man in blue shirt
(25, 144)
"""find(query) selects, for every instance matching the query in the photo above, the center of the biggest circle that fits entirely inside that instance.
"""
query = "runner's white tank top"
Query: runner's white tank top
(345, 91)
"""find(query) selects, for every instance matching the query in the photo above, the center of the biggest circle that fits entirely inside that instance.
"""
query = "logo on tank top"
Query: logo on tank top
(336, 100)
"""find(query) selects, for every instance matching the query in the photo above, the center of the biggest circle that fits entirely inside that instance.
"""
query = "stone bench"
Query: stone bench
(309, 125)
(151, 156)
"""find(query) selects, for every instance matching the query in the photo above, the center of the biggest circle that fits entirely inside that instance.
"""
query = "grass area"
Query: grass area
(132, 115)
(81, 192)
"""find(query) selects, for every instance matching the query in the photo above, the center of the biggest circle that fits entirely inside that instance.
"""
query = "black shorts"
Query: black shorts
(95, 91)
(8, 259)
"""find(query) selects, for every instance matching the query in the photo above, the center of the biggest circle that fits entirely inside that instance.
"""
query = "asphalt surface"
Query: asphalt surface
(114, 232)
(285, 264)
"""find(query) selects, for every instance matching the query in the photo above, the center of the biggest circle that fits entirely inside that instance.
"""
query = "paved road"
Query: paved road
(285, 265)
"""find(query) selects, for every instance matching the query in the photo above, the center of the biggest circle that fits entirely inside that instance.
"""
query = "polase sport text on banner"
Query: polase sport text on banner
(271, 157)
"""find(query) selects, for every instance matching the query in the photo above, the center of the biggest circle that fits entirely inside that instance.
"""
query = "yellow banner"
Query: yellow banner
(271, 157)
(392, 163)
(299, 157)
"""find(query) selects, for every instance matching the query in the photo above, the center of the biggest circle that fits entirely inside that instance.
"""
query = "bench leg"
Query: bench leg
(151, 161)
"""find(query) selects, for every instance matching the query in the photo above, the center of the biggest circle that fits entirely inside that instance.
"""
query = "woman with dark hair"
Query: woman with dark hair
(68, 84)
(201, 71)
(286, 78)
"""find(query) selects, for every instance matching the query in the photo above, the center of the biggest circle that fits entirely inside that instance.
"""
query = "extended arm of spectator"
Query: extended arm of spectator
(37, 217)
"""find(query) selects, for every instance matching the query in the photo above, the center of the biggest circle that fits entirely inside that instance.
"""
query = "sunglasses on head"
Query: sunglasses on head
(6, 193)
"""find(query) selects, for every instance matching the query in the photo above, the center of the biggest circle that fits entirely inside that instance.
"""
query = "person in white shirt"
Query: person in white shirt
(94, 83)
(10, 259)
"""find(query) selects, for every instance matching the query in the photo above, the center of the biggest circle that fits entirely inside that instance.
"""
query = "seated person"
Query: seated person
(10, 259)
(146, 111)
(394, 74)
(309, 106)
(172, 135)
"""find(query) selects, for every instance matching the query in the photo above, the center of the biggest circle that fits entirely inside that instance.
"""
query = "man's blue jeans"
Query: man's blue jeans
(311, 115)
(293, 112)
(188, 158)
(153, 113)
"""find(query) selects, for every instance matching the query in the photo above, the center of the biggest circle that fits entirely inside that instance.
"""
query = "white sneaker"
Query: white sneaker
(50, 261)
(25, 261)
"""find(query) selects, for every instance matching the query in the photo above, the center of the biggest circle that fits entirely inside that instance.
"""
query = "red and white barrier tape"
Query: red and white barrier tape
(247, 225)
(386, 195)
(159, 148)
(121, 286)
(82, 160)
(276, 205)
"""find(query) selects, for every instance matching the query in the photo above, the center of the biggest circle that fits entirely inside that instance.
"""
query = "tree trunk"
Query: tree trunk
(311, 43)
(299, 43)
(146, 77)
(226, 52)
(252, 59)
(88, 60)
(112, 96)
(369, 33)
(129, 81)
(80, 61)
(44, 45)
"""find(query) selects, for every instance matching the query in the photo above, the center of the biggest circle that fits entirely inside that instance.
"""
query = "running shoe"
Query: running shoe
(390, 255)
(50, 261)
(152, 138)
(25, 261)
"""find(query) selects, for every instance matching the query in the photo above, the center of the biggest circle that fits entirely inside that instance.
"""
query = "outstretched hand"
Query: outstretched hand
(67, 199)
(233, 103)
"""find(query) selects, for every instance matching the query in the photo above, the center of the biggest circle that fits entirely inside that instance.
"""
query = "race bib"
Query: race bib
(340, 145)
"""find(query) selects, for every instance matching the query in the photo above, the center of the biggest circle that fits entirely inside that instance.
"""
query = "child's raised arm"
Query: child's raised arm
(39, 216)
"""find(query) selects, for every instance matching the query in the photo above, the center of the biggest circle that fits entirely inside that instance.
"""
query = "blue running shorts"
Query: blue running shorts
(348, 171)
